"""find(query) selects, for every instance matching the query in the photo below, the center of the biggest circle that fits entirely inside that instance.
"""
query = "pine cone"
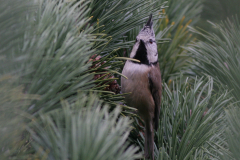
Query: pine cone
(113, 85)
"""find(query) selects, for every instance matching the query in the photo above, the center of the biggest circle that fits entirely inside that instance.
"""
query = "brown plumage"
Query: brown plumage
(144, 83)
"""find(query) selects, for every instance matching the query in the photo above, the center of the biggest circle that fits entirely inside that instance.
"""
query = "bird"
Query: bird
(143, 83)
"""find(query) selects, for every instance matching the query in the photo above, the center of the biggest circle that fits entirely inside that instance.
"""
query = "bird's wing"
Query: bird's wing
(154, 77)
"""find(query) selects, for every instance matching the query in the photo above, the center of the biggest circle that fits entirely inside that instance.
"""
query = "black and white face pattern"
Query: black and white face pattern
(145, 47)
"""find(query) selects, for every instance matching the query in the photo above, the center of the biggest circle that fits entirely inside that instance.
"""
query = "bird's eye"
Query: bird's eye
(150, 41)
(136, 39)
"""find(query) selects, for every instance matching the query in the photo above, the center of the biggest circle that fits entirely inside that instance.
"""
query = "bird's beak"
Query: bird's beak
(149, 22)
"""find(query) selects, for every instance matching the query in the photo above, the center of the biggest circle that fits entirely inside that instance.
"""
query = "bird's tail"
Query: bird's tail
(149, 141)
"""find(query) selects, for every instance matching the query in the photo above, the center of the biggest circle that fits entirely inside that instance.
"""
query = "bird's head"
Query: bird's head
(145, 47)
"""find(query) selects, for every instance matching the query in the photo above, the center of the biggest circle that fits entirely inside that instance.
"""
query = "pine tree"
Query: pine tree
(59, 81)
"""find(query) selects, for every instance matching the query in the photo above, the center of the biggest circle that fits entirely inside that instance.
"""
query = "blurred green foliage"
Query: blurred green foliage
(58, 57)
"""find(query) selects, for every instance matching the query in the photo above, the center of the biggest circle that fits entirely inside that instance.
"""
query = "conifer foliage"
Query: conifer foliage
(60, 94)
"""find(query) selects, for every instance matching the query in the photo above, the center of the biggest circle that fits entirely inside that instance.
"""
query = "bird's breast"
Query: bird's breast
(137, 85)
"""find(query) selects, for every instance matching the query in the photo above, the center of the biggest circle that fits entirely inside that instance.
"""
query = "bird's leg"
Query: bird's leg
(149, 140)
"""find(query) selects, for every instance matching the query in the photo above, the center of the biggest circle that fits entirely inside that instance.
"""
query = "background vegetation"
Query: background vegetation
(60, 64)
